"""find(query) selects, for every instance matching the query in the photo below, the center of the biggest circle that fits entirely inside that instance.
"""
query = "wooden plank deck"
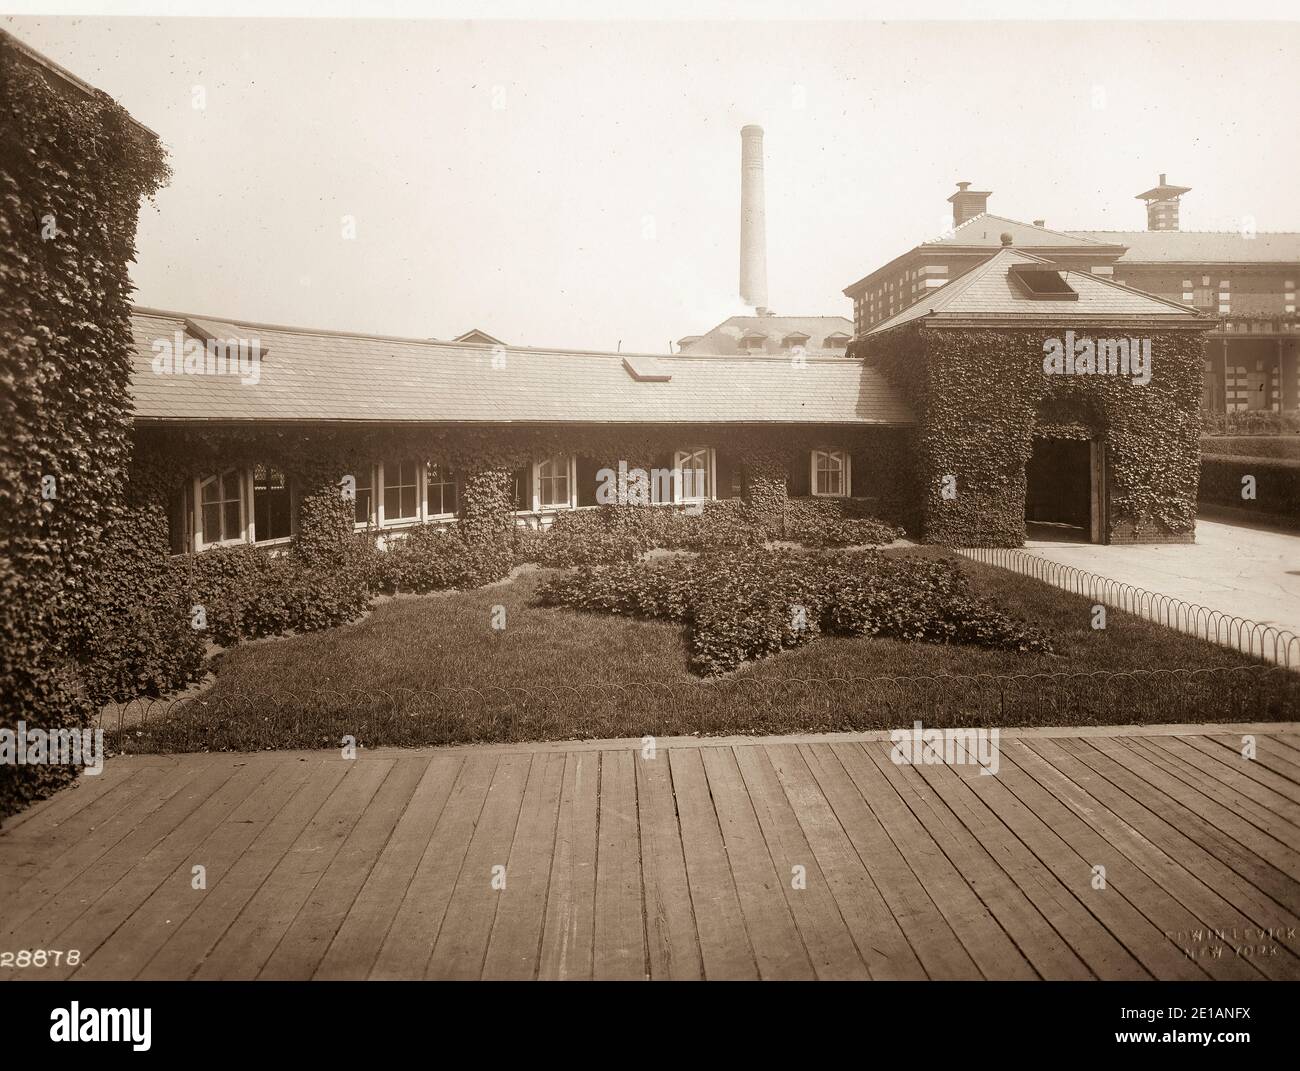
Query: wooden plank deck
(795, 857)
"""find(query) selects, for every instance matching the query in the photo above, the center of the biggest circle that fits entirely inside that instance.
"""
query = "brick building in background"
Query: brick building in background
(1244, 279)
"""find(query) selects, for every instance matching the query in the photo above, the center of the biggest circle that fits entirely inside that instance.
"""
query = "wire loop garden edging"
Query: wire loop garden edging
(1267, 642)
(744, 704)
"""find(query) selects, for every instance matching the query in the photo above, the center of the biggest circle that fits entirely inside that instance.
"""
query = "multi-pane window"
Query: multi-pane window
(364, 507)
(401, 491)
(442, 489)
(271, 506)
(222, 508)
(553, 482)
(830, 473)
(694, 474)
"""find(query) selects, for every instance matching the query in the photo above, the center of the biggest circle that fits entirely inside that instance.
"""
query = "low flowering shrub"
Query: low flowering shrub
(746, 604)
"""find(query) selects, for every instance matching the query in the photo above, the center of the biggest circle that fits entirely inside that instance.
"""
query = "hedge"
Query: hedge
(73, 170)
(1251, 422)
(1277, 483)
(1276, 446)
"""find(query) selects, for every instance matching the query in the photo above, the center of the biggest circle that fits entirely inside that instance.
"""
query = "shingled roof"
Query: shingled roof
(989, 293)
(1201, 247)
(327, 376)
(725, 339)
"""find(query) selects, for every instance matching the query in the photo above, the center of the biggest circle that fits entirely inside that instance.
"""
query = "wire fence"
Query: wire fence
(1267, 642)
(223, 720)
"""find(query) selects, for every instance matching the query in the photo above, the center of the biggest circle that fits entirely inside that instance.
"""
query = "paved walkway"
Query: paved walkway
(785, 857)
(1248, 572)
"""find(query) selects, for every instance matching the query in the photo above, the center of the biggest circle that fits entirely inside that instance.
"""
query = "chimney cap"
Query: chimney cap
(751, 130)
(1163, 192)
(963, 186)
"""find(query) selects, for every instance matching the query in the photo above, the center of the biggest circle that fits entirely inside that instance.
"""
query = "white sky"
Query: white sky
(601, 204)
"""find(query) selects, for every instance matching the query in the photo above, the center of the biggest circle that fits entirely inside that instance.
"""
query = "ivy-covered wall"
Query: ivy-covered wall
(981, 395)
(73, 170)
(485, 458)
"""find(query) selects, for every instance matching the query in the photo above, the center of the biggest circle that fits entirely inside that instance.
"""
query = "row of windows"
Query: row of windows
(257, 505)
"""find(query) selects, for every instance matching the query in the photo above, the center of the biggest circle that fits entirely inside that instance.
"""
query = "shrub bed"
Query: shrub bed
(746, 604)
(1251, 422)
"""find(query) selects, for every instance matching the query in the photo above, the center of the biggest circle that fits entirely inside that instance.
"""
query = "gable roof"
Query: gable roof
(318, 376)
(475, 334)
(983, 233)
(1202, 247)
(725, 339)
(986, 230)
(988, 293)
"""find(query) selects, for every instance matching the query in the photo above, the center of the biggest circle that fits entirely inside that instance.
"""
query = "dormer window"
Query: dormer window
(754, 342)
(836, 341)
(1043, 282)
(794, 339)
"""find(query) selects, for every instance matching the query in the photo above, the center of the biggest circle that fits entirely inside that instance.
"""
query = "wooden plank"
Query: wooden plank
(618, 941)
(672, 945)
(983, 937)
(140, 937)
(1267, 753)
(43, 816)
(1243, 796)
(183, 952)
(724, 944)
(514, 945)
(1154, 899)
(1220, 862)
(353, 949)
(1213, 815)
(881, 942)
(408, 945)
(568, 933)
(181, 792)
(1277, 793)
(462, 939)
(940, 949)
(308, 937)
(778, 948)
(1105, 956)
(1202, 900)
(1110, 906)
(826, 937)
(103, 917)
(251, 937)
(76, 846)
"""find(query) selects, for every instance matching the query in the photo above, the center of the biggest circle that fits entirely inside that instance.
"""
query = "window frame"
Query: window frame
(710, 475)
(571, 470)
(382, 493)
(846, 472)
(270, 541)
(242, 491)
(428, 468)
(372, 517)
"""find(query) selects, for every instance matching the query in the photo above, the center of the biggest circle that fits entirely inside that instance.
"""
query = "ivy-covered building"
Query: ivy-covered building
(236, 423)
(1049, 398)
(1244, 280)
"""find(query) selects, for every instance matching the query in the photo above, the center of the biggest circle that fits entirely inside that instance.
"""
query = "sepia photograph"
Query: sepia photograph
(501, 492)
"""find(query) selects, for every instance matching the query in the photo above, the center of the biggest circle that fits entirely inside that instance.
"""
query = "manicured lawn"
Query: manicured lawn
(434, 670)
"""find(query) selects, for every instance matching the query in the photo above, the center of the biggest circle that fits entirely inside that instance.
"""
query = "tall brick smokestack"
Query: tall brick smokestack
(753, 224)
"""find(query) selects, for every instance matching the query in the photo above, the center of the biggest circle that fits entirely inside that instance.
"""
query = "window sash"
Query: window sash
(830, 473)
(441, 489)
(363, 509)
(401, 496)
(693, 471)
(220, 509)
(554, 483)
(272, 504)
